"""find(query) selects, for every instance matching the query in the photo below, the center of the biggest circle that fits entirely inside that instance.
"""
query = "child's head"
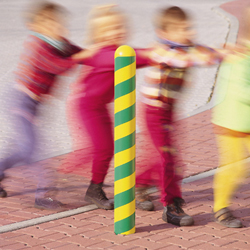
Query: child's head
(107, 24)
(174, 24)
(48, 19)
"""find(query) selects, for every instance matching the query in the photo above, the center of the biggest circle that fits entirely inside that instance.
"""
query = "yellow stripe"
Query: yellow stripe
(131, 231)
(124, 156)
(125, 73)
(124, 184)
(125, 129)
(124, 50)
(124, 102)
(124, 211)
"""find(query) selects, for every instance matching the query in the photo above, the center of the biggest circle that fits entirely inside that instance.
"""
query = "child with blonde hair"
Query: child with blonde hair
(94, 90)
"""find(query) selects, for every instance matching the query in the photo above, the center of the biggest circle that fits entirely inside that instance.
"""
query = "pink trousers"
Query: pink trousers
(159, 124)
(99, 126)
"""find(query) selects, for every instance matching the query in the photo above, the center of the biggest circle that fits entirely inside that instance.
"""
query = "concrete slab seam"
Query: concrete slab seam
(233, 26)
(47, 218)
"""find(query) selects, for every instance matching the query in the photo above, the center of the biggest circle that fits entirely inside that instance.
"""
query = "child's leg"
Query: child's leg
(99, 126)
(24, 113)
(147, 168)
(231, 170)
(145, 178)
(24, 109)
(159, 125)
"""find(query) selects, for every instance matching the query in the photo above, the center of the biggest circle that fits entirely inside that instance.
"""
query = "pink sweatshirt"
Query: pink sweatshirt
(98, 76)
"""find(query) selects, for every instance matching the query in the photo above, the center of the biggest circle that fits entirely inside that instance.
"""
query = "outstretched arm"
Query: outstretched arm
(106, 58)
(195, 56)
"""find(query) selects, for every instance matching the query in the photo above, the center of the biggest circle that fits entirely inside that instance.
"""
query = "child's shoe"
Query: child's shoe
(48, 203)
(142, 200)
(96, 195)
(175, 215)
(3, 193)
(226, 218)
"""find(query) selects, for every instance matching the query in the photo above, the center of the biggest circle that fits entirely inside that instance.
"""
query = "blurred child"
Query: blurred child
(95, 90)
(46, 54)
(231, 121)
(176, 52)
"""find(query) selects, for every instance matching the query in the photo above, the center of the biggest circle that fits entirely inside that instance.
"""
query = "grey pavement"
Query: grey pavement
(213, 28)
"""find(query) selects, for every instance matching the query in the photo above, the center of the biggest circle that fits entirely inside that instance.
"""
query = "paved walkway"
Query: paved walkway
(24, 227)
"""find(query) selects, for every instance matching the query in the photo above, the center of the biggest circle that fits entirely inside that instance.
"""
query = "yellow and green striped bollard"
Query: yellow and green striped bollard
(124, 193)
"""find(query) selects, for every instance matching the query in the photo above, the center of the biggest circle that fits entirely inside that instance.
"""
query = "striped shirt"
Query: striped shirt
(164, 80)
(40, 62)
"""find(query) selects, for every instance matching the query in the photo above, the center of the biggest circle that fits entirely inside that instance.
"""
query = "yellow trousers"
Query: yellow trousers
(232, 169)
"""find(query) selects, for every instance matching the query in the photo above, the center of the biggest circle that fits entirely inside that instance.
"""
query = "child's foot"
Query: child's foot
(96, 195)
(175, 215)
(226, 218)
(142, 199)
(48, 203)
(3, 193)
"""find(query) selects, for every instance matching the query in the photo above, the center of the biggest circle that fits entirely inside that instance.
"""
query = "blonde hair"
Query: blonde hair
(94, 20)
(169, 16)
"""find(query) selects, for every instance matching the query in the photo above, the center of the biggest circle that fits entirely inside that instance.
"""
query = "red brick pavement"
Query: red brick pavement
(94, 229)
(198, 150)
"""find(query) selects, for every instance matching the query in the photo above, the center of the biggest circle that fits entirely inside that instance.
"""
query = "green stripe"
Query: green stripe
(125, 87)
(125, 170)
(125, 143)
(124, 198)
(123, 61)
(124, 225)
(125, 115)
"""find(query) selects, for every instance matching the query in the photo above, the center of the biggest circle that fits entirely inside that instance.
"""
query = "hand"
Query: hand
(231, 48)
(89, 52)
(233, 52)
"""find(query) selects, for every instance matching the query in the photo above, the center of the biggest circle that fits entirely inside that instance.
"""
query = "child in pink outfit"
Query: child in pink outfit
(107, 24)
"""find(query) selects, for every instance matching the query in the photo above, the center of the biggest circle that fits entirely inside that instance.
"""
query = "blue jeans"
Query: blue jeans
(24, 113)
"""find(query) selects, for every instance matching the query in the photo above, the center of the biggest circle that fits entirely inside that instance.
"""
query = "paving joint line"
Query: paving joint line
(46, 218)
(231, 38)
